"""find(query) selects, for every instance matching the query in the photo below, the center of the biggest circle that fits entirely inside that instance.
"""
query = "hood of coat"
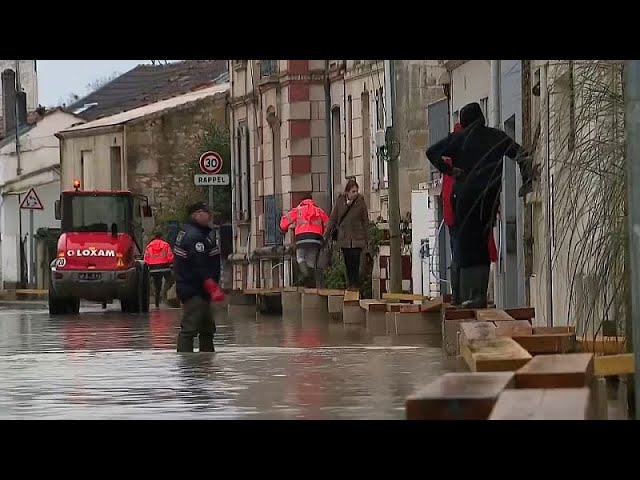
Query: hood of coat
(471, 114)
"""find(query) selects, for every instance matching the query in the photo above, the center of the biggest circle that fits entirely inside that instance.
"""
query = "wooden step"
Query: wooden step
(476, 331)
(547, 343)
(602, 345)
(403, 307)
(551, 330)
(538, 344)
(329, 292)
(614, 365)
(434, 305)
(451, 332)
(499, 354)
(459, 314)
(351, 295)
(509, 328)
(371, 305)
(523, 313)
(458, 396)
(571, 370)
(542, 404)
(404, 297)
(493, 315)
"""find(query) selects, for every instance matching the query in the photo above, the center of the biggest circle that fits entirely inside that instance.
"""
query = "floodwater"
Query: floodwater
(104, 364)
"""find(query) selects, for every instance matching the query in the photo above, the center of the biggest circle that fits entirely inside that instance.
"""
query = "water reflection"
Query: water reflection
(103, 364)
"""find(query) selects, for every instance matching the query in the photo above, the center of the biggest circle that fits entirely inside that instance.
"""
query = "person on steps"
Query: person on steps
(448, 208)
(477, 152)
(159, 257)
(309, 223)
(197, 271)
(349, 228)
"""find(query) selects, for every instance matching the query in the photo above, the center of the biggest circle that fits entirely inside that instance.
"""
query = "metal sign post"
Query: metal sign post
(31, 202)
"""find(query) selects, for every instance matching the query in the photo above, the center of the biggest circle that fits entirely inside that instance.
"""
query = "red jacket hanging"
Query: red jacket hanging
(447, 206)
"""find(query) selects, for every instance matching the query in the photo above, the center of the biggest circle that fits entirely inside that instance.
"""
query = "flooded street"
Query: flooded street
(105, 365)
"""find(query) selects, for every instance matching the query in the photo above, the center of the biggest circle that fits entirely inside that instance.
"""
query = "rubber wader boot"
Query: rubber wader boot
(474, 282)
(185, 344)
(304, 274)
(455, 286)
(206, 343)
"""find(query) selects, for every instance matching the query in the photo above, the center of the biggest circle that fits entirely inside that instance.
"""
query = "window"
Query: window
(484, 106)
(380, 120)
(116, 168)
(244, 171)
(350, 128)
(95, 213)
(535, 102)
(380, 178)
(336, 150)
(86, 160)
(268, 67)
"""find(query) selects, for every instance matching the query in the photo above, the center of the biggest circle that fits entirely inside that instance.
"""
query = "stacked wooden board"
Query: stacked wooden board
(545, 387)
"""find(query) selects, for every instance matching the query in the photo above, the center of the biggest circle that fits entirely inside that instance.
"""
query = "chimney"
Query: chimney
(9, 100)
(21, 98)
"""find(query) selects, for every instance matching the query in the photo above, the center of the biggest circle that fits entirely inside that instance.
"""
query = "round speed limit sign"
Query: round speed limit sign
(210, 163)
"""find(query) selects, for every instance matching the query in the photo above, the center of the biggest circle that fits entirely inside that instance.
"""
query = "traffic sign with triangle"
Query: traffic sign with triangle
(31, 201)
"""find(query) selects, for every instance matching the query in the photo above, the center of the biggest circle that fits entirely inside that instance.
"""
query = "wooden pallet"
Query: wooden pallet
(404, 297)
(572, 370)
(458, 396)
(614, 365)
(543, 404)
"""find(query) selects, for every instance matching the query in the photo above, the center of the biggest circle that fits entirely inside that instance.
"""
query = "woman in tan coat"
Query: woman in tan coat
(349, 227)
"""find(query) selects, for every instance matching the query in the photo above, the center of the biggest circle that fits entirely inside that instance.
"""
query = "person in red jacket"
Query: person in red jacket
(159, 257)
(310, 222)
(448, 209)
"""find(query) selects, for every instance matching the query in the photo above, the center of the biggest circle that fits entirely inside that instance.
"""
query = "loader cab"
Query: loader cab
(113, 212)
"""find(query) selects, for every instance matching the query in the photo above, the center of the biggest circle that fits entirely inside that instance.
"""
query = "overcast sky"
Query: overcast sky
(57, 79)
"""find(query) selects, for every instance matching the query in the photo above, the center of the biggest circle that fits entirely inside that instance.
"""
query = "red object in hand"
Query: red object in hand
(213, 289)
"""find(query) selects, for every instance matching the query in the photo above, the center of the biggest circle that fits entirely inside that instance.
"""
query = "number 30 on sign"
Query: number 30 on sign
(210, 163)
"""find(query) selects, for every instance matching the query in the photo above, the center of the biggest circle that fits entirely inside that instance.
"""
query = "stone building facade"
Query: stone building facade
(152, 150)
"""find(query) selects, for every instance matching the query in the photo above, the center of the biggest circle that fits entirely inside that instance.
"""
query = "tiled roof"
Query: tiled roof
(147, 84)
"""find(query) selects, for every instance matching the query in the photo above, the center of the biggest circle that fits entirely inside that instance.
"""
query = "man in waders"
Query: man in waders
(197, 272)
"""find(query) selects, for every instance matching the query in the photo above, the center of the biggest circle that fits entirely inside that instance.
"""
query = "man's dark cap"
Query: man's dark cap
(197, 207)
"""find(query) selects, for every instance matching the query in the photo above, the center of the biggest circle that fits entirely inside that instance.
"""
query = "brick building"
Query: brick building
(305, 126)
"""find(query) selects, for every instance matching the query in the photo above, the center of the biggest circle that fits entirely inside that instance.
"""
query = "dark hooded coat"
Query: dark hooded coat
(478, 151)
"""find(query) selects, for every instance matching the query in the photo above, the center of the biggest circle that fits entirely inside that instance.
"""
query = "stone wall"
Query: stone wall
(162, 153)
(416, 88)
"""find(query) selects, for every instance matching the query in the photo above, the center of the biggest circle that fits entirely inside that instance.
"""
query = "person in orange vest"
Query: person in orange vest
(159, 257)
(310, 222)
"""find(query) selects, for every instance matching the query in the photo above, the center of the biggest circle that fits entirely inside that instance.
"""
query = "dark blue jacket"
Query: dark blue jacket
(197, 258)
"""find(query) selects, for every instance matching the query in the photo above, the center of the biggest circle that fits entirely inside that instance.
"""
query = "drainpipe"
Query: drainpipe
(18, 88)
(494, 121)
(546, 109)
(327, 124)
